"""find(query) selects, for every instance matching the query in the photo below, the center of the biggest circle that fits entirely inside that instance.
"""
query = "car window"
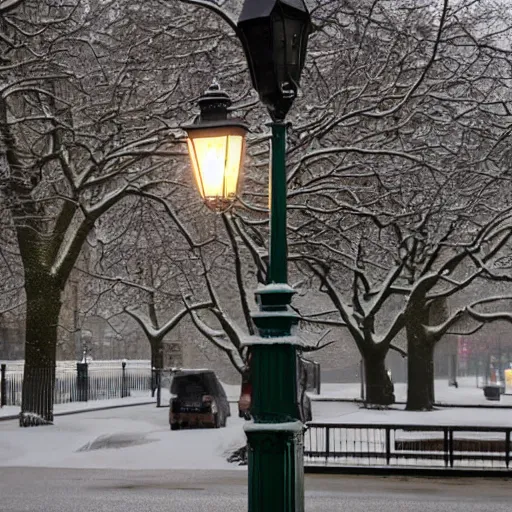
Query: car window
(193, 385)
(211, 384)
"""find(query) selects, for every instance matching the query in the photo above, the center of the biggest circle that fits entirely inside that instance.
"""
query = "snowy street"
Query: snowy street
(127, 459)
(57, 490)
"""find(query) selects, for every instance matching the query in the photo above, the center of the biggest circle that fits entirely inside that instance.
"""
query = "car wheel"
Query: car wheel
(247, 416)
(175, 426)
(241, 414)
(216, 420)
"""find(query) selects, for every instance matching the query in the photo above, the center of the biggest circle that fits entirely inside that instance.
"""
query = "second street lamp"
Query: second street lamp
(217, 149)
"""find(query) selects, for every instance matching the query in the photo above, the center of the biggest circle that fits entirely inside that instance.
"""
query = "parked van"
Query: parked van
(198, 399)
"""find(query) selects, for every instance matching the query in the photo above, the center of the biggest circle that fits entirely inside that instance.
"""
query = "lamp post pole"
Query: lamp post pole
(278, 268)
(274, 35)
(275, 439)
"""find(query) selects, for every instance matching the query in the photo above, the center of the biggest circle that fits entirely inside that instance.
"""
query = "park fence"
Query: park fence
(394, 445)
(81, 382)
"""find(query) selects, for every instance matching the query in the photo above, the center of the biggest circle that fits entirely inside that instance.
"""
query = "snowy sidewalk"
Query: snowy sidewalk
(124, 438)
(140, 438)
(349, 413)
(76, 407)
(466, 394)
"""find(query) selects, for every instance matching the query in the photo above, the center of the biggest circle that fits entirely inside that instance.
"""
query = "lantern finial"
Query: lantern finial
(214, 104)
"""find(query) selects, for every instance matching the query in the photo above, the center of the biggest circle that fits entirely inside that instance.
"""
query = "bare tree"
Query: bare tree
(90, 103)
(397, 148)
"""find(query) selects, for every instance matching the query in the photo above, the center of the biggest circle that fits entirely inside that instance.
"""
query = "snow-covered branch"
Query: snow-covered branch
(158, 333)
(211, 6)
(174, 217)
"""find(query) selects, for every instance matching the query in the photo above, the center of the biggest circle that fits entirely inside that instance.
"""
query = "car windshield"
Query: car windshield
(190, 386)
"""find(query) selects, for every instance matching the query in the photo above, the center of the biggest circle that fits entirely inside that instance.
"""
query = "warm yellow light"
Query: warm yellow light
(217, 162)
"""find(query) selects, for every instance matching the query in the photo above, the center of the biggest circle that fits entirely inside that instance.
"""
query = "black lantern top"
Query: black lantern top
(274, 35)
(213, 107)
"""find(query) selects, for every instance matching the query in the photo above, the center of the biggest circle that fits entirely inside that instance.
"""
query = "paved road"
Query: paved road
(59, 490)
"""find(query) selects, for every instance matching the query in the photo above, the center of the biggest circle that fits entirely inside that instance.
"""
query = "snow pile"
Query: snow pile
(28, 419)
(118, 440)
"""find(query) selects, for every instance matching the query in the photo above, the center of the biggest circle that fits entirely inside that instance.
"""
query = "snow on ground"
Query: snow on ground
(336, 412)
(127, 438)
(140, 438)
(466, 394)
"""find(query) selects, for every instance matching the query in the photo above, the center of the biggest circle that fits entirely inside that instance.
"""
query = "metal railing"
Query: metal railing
(82, 383)
(426, 446)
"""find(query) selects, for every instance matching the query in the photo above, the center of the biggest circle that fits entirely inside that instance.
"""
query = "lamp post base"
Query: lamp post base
(276, 466)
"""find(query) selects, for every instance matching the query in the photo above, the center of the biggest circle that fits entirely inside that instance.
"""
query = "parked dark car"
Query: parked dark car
(305, 382)
(197, 400)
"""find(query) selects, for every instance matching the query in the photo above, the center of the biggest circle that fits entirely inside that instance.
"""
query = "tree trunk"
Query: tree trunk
(42, 318)
(157, 354)
(420, 370)
(157, 362)
(379, 388)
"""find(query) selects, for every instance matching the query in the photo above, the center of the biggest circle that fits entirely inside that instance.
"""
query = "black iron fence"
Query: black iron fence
(464, 447)
(79, 384)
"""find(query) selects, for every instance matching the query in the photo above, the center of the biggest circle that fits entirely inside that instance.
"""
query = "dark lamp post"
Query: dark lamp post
(216, 147)
(274, 35)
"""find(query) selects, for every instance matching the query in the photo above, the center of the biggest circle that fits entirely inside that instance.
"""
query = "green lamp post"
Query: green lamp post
(274, 36)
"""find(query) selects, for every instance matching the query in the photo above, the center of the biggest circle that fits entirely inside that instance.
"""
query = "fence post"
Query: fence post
(388, 445)
(327, 448)
(507, 448)
(82, 382)
(446, 447)
(153, 381)
(451, 447)
(124, 391)
(318, 378)
(158, 387)
(361, 372)
(3, 385)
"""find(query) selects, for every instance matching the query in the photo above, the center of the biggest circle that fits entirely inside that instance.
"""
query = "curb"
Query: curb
(408, 471)
(93, 409)
(79, 411)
